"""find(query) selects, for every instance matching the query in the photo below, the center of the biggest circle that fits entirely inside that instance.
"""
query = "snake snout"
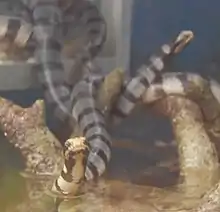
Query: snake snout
(183, 39)
(75, 146)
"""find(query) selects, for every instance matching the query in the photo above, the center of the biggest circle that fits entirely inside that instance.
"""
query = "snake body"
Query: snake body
(190, 85)
(148, 74)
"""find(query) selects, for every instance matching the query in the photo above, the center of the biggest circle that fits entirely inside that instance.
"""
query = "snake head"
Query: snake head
(182, 40)
(75, 147)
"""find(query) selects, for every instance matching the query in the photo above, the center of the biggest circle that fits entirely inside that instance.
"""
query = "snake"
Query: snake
(188, 84)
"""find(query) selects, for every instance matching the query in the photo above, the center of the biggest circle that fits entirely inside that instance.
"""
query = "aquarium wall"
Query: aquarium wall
(156, 22)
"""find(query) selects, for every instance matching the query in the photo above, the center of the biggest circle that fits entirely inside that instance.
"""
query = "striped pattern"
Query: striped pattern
(169, 84)
(92, 124)
(204, 92)
(181, 84)
(148, 74)
(135, 88)
(94, 25)
(15, 30)
(47, 19)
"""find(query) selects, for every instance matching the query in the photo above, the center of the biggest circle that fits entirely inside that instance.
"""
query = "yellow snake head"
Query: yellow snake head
(182, 40)
(75, 147)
